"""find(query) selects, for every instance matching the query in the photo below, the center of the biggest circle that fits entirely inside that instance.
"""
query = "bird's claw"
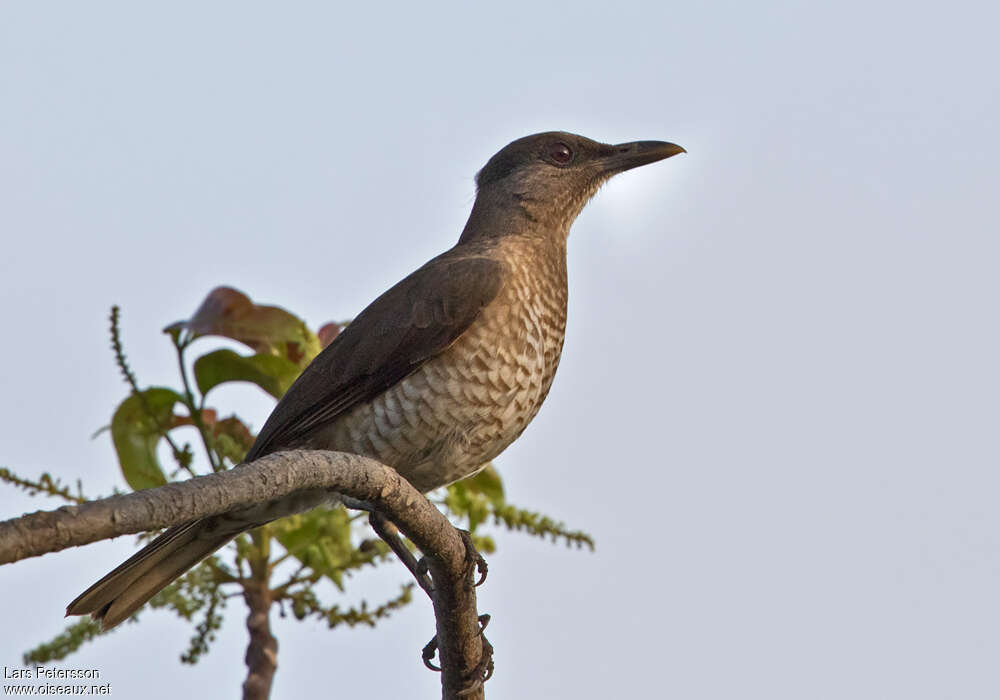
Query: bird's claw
(474, 560)
(428, 654)
(484, 669)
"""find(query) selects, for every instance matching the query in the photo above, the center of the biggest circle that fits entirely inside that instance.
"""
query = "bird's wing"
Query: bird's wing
(409, 324)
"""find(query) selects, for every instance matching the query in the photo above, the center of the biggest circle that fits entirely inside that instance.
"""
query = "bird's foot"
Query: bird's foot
(484, 669)
(474, 560)
(481, 673)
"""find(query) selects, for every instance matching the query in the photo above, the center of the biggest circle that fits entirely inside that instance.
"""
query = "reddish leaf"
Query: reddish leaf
(208, 416)
(270, 329)
(232, 437)
(234, 428)
(328, 332)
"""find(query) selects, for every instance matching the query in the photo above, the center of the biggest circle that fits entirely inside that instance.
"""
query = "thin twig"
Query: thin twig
(130, 379)
(195, 411)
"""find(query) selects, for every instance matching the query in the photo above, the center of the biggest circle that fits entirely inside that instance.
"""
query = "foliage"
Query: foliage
(196, 591)
(305, 604)
(46, 483)
(65, 643)
(321, 544)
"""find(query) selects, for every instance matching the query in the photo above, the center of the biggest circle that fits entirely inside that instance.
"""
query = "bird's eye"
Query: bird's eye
(560, 153)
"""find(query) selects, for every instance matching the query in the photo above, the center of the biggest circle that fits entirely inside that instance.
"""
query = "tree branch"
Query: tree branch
(459, 639)
(262, 651)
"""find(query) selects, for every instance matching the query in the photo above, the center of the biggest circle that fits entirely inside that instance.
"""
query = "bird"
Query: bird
(440, 373)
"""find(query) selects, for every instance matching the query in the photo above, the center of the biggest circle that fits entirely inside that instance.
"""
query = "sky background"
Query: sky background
(777, 410)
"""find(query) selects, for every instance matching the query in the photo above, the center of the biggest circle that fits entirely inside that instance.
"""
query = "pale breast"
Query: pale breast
(465, 406)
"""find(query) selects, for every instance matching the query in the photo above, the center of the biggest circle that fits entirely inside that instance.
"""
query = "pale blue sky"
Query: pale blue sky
(778, 404)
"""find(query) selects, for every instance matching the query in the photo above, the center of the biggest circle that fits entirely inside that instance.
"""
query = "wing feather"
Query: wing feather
(410, 323)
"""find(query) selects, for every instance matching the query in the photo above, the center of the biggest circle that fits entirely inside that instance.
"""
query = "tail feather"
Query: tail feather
(123, 591)
(119, 594)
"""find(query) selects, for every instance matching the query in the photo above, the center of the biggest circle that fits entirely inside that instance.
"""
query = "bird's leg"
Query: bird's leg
(390, 535)
(418, 567)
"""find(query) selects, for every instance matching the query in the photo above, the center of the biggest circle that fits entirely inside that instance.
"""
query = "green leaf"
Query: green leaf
(489, 484)
(271, 373)
(475, 497)
(320, 539)
(139, 423)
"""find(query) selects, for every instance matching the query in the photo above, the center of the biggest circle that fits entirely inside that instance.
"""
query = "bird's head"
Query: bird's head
(546, 179)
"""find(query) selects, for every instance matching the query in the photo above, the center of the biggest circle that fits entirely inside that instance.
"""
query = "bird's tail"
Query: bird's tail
(119, 594)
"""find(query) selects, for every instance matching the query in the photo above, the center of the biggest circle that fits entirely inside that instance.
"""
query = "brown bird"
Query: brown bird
(439, 374)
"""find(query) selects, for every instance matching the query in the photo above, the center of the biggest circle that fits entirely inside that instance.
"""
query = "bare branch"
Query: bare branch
(459, 640)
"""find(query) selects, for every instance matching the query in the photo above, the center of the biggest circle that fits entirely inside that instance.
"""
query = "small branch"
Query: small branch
(274, 563)
(45, 484)
(460, 644)
(130, 379)
(116, 346)
(219, 574)
(194, 410)
(281, 592)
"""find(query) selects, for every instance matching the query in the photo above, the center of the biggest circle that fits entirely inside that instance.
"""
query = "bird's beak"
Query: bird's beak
(626, 156)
